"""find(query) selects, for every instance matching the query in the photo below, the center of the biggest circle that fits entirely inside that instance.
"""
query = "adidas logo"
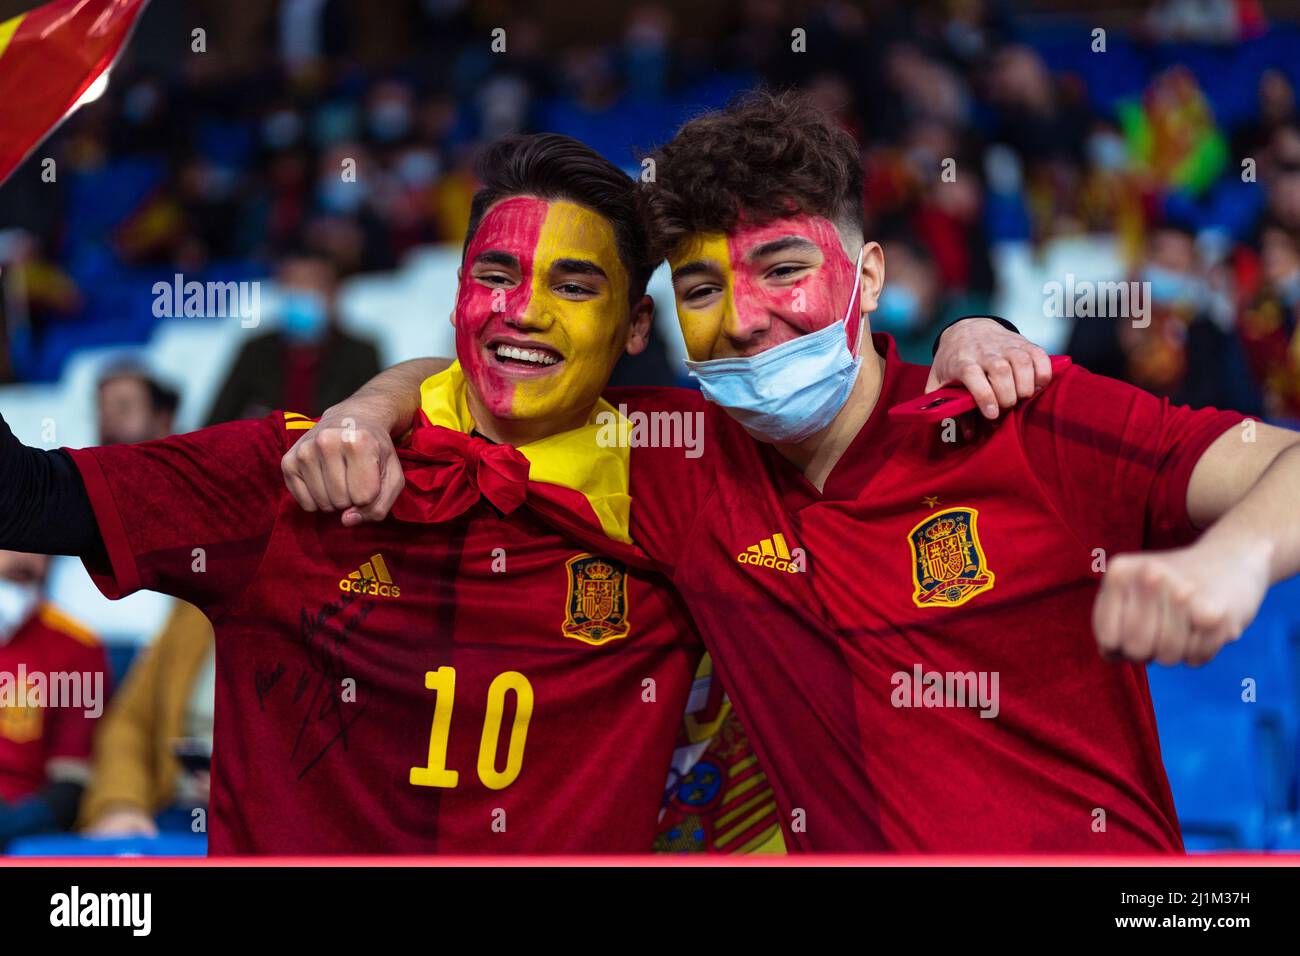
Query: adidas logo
(371, 578)
(773, 553)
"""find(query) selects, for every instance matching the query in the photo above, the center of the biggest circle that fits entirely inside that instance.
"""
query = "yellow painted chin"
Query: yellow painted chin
(701, 328)
(591, 333)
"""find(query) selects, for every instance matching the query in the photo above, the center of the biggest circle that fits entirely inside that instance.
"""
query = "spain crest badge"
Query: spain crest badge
(948, 563)
(597, 607)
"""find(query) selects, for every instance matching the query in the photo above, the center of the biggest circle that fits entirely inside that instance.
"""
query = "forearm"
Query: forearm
(44, 507)
(396, 391)
(1266, 519)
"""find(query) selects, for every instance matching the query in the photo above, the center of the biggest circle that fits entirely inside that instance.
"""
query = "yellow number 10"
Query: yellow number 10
(436, 774)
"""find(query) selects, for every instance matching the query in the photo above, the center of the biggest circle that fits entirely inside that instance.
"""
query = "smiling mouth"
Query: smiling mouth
(529, 359)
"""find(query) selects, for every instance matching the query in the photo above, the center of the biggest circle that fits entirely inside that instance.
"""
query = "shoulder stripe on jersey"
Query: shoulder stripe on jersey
(56, 620)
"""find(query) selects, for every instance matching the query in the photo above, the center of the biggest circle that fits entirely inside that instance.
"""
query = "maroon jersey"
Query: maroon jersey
(911, 650)
(53, 688)
(479, 684)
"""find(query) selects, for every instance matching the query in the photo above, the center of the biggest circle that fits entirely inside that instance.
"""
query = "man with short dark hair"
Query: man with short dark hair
(462, 677)
(132, 406)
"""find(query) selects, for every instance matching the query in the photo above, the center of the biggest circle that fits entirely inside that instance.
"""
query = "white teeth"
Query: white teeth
(525, 355)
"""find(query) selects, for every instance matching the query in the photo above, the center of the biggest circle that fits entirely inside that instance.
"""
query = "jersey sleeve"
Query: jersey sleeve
(672, 474)
(1116, 460)
(189, 515)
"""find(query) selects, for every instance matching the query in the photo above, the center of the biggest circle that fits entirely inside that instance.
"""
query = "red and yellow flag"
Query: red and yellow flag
(49, 57)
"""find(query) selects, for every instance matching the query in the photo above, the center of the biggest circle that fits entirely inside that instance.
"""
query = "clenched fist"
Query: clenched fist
(346, 463)
(1179, 606)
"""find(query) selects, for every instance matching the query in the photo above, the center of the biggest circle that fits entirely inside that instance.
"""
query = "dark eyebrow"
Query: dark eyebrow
(782, 245)
(581, 266)
(697, 267)
(496, 257)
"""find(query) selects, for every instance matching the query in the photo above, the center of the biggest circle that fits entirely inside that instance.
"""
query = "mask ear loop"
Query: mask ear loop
(853, 299)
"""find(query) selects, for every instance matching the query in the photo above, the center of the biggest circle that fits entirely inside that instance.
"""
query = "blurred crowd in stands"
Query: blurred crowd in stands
(994, 136)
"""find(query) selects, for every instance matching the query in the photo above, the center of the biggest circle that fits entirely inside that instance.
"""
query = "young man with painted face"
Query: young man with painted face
(955, 683)
(462, 677)
(906, 623)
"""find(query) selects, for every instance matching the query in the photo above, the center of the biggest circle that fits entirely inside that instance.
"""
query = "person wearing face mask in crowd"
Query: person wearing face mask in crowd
(1268, 324)
(1177, 348)
(306, 361)
(909, 304)
(45, 739)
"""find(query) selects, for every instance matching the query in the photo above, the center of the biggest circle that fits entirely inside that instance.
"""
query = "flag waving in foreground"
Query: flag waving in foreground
(49, 57)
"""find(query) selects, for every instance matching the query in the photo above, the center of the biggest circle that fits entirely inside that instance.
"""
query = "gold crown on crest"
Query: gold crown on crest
(600, 570)
(941, 528)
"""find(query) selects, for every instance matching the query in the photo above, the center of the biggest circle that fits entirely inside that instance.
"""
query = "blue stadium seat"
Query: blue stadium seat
(1212, 756)
(71, 844)
(120, 658)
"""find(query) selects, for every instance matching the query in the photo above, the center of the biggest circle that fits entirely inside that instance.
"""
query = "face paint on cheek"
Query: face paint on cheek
(702, 328)
(588, 331)
(512, 226)
(814, 301)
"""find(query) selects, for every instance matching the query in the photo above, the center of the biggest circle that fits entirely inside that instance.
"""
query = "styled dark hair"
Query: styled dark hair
(768, 155)
(550, 166)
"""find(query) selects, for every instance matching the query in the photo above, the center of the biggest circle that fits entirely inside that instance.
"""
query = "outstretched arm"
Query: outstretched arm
(347, 462)
(1186, 603)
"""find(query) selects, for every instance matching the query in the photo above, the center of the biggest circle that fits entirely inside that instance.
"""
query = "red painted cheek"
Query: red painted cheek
(825, 294)
(512, 226)
(479, 315)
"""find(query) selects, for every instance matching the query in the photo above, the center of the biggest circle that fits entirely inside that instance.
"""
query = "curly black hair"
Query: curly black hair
(767, 155)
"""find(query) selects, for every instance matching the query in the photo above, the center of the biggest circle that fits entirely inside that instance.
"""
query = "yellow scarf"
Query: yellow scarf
(572, 459)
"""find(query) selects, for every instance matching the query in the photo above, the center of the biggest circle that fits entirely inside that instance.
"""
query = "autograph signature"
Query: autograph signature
(317, 691)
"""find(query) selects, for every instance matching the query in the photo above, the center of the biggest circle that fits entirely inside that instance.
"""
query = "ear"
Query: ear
(872, 277)
(638, 335)
(451, 316)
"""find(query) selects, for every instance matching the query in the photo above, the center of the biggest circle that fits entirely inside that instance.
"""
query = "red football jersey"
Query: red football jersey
(911, 650)
(53, 687)
(476, 685)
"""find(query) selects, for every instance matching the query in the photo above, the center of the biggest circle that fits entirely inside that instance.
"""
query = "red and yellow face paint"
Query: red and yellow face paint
(743, 292)
(542, 310)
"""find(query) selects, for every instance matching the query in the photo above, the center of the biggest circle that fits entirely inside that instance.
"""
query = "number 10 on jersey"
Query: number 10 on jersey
(443, 683)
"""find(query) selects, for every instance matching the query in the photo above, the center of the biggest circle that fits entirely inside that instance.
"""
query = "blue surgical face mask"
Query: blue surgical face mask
(793, 390)
(899, 310)
(1173, 288)
(302, 315)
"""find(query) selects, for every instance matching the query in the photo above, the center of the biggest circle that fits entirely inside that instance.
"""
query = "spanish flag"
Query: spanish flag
(49, 57)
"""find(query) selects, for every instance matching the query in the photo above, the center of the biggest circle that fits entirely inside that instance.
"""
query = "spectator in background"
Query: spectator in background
(1268, 324)
(37, 291)
(909, 305)
(1177, 350)
(45, 741)
(139, 785)
(130, 406)
(307, 363)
